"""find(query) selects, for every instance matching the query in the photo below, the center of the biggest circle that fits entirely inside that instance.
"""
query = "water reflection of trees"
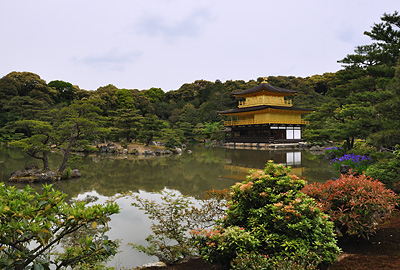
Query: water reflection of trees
(317, 168)
(191, 174)
(303, 163)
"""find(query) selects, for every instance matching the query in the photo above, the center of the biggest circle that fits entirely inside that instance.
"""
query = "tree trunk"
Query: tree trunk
(45, 161)
(149, 139)
(68, 151)
(350, 143)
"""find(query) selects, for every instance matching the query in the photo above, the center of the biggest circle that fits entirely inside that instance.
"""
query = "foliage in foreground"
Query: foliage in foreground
(33, 224)
(269, 215)
(253, 261)
(355, 203)
(173, 218)
(272, 221)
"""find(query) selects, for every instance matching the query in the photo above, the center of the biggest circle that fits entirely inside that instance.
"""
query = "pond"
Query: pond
(105, 176)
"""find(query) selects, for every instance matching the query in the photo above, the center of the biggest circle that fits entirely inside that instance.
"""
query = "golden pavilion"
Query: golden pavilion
(265, 116)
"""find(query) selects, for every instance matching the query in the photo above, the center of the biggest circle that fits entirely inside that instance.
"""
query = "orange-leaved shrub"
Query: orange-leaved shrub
(355, 203)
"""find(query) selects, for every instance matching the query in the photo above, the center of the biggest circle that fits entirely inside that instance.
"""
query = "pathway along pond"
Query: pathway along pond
(105, 176)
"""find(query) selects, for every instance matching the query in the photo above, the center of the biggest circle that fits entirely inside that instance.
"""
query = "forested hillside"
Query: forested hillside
(130, 114)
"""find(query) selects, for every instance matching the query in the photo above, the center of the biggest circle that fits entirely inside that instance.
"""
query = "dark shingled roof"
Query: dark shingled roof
(263, 107)
(267, 87)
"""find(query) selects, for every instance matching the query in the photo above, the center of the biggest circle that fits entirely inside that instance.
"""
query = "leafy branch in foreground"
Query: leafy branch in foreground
(173, 218)
(33, 224)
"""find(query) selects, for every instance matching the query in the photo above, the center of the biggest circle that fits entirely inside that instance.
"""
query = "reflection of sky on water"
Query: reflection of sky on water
(131, 225)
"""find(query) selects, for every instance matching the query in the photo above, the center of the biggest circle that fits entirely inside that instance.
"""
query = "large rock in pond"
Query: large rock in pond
(33, 174)
(75, 173)
(177, 151)
(158, 152)
(147, 153)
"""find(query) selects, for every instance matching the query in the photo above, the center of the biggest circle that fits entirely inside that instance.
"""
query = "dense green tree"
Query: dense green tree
(79, 121)
(142, 103)
(208, 131)
(172, 137)
(26, 84)
(37, 143)
(26, 107)
(232, 86)
(199, 132)
(189, 114)
(125, 99)
(312, 90)
(214, 130)
(187, 130)
(163, 109)
(151, 127)
(355, 94)
(154, 94)
(386, 48)
(175, 115)
(389, 111)
(24, 95)
(66, 91)
(347, 122)
(33, 224)
(107, 95)
(208, 111)
(126, 123)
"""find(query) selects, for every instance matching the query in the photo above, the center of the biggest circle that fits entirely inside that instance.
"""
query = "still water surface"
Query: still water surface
(189, 174)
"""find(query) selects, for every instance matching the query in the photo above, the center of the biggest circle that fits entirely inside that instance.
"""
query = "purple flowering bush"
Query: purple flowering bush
(358, 163)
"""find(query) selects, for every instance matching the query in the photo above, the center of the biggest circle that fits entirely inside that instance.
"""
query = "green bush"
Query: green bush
(254, 261)
(385, 138)
(251, 261)
(276, 217)
(214, 246)
(356, 204)
(387, 171)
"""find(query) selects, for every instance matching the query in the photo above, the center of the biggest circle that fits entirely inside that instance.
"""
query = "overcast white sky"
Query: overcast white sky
(166, 43)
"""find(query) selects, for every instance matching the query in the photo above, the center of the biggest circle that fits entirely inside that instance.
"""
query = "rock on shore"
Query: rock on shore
(33, 174)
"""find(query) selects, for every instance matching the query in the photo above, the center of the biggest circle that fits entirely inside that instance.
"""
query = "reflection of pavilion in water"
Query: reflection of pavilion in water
(238, 169)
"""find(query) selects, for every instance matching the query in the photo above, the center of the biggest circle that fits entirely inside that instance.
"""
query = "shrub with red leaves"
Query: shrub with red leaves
(355, 203)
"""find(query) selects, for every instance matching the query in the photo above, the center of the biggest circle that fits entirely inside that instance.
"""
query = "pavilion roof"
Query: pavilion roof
(265, 87)
(264, 107)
